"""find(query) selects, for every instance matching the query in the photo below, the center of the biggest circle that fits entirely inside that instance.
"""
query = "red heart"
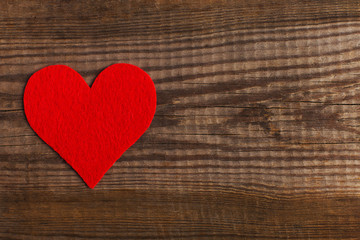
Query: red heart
(90, 127)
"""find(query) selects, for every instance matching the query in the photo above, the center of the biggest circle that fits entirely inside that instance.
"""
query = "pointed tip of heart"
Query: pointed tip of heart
(91, 185)
(92, 178)
(91, 181)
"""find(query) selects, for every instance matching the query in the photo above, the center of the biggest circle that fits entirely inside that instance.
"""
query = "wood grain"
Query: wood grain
(256, 134)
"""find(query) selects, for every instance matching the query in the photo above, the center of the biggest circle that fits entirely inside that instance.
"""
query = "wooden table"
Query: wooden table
(256, 134)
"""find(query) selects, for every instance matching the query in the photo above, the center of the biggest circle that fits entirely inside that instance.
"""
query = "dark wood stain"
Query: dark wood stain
(256, 134)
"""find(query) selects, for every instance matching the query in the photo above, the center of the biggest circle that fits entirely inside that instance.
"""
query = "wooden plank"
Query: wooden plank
(256, 133)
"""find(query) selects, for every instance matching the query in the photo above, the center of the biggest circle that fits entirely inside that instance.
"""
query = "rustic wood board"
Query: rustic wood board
(256, 133)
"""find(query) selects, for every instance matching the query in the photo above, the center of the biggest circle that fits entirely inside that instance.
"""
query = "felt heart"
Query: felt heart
(90, 127)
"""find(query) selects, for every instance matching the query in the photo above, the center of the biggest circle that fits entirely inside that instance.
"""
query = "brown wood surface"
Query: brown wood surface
(256, 134)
